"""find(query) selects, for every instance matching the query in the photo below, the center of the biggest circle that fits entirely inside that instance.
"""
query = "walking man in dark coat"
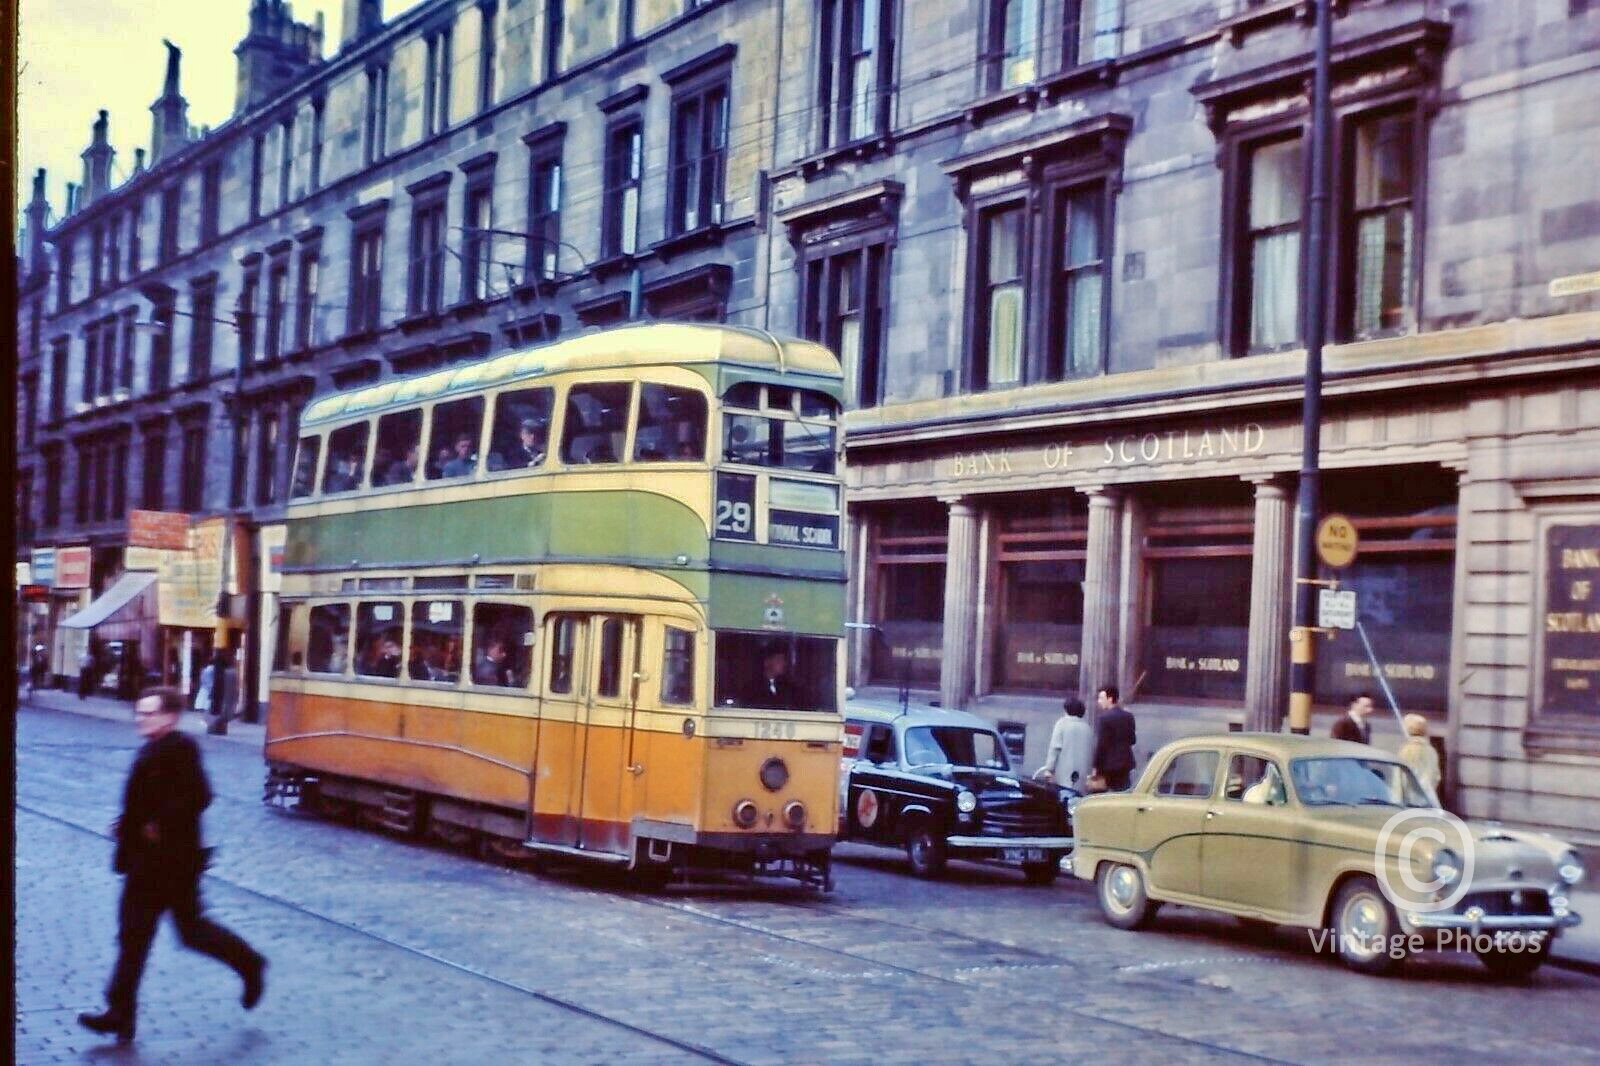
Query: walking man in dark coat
(1114, 738)
(160, 858)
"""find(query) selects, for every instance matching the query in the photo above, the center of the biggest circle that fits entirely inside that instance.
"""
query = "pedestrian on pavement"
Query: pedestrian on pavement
(1115, 736)
(85, 672)
(158, 853)
(205, 688)
(1066, 764)
(1353, 725)
(1417, 752)
(37, 667)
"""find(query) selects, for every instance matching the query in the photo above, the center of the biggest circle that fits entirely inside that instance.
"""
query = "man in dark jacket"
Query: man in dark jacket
(1354, 725)
(160, 858)
(1114, 738)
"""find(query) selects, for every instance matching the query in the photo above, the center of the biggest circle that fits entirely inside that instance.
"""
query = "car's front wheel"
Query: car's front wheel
(1041, 873)
(925, 848)
(1516, 964)
(1123, 899)
(1365, 928)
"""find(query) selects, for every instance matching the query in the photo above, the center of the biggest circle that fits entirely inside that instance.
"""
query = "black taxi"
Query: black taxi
(940, 785)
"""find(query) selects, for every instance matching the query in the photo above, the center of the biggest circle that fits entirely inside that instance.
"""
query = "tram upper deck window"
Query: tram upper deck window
(378, 636)
(781, 442)
(347, 459)
(328, 651)
(399, 453)
(783, 673)
(500, 644)
(596, 423)
(521, 434)
(457, 427)
(305, 468)
(437, 628)
(672, 425)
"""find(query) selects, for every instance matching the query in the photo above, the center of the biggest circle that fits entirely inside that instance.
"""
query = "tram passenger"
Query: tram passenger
(346, 473)
(494, 664)
(528, 451)
(387, 662)
(403, 471)
(463, 463)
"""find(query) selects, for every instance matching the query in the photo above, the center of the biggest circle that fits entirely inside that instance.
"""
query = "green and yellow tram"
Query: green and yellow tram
(586, 598)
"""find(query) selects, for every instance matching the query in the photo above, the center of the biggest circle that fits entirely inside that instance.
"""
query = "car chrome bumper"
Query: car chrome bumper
(1007, 843)
(1494, 923)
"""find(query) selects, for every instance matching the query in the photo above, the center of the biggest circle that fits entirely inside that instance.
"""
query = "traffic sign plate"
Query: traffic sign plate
(1336, 610)
(1337, 541)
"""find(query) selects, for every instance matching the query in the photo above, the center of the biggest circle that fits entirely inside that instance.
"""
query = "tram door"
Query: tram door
(604, 819)
(558, 774)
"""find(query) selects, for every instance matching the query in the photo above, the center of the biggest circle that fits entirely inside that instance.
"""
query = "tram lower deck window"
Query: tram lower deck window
(773, 671)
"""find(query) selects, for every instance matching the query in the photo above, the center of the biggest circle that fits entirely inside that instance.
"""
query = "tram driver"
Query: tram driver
(774, 689)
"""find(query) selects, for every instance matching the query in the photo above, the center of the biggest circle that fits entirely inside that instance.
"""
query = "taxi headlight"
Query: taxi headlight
(966, 802)
(1570, 869)
(1446, 867)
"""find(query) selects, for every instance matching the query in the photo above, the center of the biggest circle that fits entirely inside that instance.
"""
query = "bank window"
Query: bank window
(1002, 298)
(563, 653)
(457, 427)
(347, 459)
(379, 630)
(1381, 262)
(437, 628)
(399, 453)
(609, 684)
(305, 467)
(677, 668)
(596, 423)
(672, 425)
(1189, 775)
(1198, 571)
(1079, 265)
(775, 671)
(1275, 197)
(1040, 548)
(521, 434)
(501, 645)
(328, 650)
(908, 566)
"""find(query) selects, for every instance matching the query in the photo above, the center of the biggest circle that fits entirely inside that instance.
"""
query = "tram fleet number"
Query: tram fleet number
(775, 730)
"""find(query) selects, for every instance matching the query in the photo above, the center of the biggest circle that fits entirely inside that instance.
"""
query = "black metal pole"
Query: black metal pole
(1302, 644)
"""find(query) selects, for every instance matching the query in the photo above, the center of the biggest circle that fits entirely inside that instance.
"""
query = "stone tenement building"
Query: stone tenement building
(1059, 245)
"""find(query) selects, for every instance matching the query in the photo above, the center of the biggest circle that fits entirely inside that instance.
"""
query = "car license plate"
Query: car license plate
(1025, 855)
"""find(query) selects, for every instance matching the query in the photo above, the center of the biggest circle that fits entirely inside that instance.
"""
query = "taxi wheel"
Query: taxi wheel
(1515, 965)
(1041, 873)
(925, 849)
(1365, 928)
(1123, 900)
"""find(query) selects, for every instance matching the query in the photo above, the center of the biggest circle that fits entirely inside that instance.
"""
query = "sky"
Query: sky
(78, 56)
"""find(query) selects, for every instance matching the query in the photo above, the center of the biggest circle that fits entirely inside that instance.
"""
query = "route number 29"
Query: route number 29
(733, 517)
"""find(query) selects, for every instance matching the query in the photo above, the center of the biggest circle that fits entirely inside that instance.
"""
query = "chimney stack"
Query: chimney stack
(274, 53)
(97, 161)
(38, 218)
(362, 18)
(170, 126)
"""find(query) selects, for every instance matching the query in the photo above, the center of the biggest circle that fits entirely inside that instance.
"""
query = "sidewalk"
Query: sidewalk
(113, 710)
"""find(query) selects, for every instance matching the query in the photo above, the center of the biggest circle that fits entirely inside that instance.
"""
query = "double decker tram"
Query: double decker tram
(584, 599)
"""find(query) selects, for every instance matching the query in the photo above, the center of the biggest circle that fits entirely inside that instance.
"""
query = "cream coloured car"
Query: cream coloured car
(1286, 830)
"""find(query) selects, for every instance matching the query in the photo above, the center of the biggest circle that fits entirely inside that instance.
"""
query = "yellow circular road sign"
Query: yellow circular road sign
(1337, 541)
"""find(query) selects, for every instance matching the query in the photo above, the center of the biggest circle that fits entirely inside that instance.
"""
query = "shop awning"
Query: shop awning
(127, 589)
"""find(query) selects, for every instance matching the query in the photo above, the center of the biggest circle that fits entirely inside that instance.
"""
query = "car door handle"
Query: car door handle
(1141, 810)
(1210, 815)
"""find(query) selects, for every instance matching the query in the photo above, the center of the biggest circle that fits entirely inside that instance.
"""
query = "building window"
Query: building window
(1079, 267)
(130, 339)
(50, 515)
(624, 169)
(1197, 624)
(555, 31)
(154, 493)
(194, 469)
(25, 505)
(856, 69)
(119, 475)
(285, 159)
(306, 296)
(699, 157)
(1274, 196)
(64, 275)
(318, 109)
(30, 408)
(375, 127)
(97, 251)
(907, 564)
(85, 497)
(845, 301)
(1382, 190)
(366, 278)
(1013, 43)
(277, 306)
(1091, 31)
(487, 59)
(60, 353)
(544, 211)
(477, 242)
(91, 362)
(267, 461)
(436, 84)
(108, 355)
(161, 345)
(258, 160)
(1041, 543)
(245, 311)
(202, 328)
(135, 238)
(113, 269)
(210, 201)
(241, 462)
(425, 294)
(1001, 297)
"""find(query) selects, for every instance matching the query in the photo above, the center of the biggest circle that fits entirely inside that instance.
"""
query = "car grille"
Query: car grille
(1013, 819)
(1517, 902)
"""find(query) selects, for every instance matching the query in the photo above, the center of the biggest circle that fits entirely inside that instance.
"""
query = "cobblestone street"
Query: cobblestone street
(383, 951)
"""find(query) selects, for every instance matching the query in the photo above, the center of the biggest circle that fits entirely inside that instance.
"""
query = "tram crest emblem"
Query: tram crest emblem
(772, 612)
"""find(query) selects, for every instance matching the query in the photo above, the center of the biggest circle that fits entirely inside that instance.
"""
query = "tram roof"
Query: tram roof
(654, 344)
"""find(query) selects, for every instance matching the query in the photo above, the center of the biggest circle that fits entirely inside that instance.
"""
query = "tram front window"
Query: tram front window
(778, 672)
(791, 445)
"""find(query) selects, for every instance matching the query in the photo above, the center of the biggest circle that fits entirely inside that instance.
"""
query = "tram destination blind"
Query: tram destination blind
(735, 517)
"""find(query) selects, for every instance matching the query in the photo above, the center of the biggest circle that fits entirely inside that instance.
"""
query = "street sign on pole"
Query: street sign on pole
(1337, 541)
(1336, 610)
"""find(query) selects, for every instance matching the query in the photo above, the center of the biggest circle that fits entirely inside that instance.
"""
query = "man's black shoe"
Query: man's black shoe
(255, 983)
(110, 1022)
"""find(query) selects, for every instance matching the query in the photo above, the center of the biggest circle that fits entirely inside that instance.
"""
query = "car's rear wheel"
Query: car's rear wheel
(1365, 928)
(1123, 899)
(1041, 873)
(926, 850)
(1516, 965)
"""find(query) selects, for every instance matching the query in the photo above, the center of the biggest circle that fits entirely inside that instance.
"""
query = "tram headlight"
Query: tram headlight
(745, 813)
(794, 813)
(774, 774)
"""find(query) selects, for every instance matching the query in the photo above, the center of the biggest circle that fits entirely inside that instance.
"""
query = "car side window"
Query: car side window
(879, 747)
(1252, 779)
(1189, 775)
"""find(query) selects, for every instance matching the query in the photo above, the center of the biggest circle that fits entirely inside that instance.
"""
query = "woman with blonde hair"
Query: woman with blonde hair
(1417, 752)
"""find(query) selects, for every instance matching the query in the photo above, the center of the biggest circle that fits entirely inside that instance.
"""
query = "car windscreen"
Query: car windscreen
(943, 745)
(1355, 782)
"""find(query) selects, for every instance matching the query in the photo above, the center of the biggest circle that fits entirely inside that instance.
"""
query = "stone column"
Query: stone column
(960, 606)
(1135, 519)
(858, 534)
(1101, 594)
(1266, 692)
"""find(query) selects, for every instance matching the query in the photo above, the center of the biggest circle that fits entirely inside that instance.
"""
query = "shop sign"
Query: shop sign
(24, 574)
(1571, 650)
(191, 580)
(44, 566)
(168, 530)
(34, 593)
(273, 539)
(72, 568)
(137, 558)
(1121, 450)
